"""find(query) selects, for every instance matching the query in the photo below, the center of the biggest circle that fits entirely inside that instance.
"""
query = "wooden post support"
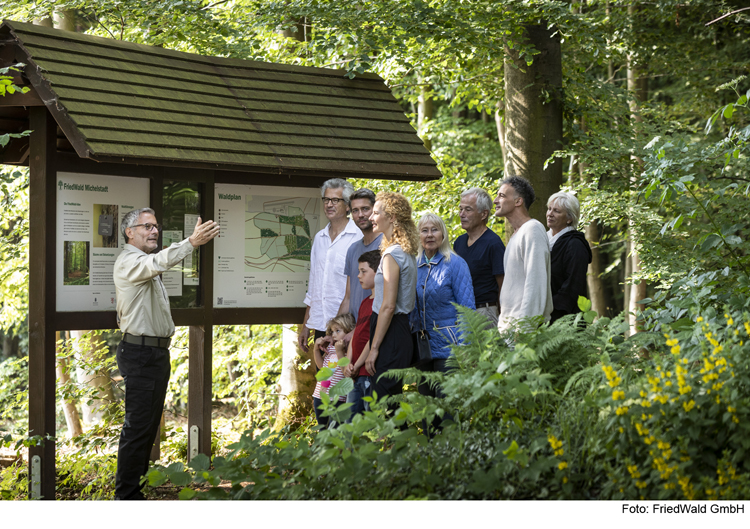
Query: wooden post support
(200, 372)
(42, 234)
(199, 391)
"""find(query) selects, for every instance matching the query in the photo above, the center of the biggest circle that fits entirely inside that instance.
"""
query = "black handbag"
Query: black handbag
(422, 352)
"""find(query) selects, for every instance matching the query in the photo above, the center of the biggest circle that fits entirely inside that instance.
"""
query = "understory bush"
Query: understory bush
(570, 411)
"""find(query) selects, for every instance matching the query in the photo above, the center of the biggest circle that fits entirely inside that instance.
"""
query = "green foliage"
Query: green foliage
(14, 396)
(246, 367)
(681, 429)
(14, 247)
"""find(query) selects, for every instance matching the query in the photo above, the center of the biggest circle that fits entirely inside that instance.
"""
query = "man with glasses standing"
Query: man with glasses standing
(327, 284)
(146, 324)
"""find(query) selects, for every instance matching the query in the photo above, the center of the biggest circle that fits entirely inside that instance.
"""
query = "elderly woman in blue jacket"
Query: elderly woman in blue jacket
(443, 278)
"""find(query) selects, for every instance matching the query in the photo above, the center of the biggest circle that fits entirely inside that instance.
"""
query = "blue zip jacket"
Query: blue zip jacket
(440, 283)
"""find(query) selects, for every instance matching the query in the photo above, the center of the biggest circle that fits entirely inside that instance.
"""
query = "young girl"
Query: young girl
(329, 349)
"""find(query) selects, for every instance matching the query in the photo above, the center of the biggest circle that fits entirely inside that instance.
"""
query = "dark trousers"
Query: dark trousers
(438, 364)
(146, 373)
(395, 353)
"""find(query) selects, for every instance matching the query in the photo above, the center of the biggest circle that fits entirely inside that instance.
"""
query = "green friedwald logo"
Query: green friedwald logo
(222, 196)
(81, 187)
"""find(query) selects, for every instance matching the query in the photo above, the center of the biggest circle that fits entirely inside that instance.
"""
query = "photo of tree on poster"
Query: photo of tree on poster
(76, 269)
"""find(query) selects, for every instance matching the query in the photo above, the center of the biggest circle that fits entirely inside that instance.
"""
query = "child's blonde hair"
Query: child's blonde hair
(345, 321)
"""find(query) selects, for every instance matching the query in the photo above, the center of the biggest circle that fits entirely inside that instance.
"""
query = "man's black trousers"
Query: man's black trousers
(146, 373)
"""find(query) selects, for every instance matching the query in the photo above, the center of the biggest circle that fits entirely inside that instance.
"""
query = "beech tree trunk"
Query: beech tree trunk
(500, 124)
(296, 384)
(299, 31)
(425, 113)
(533, 115)
(72, 419)
(638, 88)
(65, 20)
(99, 381)
(594, 273)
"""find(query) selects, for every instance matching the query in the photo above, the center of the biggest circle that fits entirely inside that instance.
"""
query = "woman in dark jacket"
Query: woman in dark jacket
(570, 254)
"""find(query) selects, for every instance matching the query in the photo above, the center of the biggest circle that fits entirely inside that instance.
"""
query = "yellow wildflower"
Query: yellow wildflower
(689, 405)
(563, 465)
(618, 395)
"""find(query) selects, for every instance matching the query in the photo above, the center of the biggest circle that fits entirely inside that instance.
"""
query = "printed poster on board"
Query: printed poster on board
(262, 254)
(90, 209)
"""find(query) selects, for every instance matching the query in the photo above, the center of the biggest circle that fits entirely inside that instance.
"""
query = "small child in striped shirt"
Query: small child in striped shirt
(327, 350)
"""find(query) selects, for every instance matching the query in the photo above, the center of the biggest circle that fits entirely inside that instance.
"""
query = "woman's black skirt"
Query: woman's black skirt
(395, 353)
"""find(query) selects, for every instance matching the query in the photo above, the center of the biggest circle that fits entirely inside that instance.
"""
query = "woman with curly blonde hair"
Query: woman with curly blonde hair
(395, 291)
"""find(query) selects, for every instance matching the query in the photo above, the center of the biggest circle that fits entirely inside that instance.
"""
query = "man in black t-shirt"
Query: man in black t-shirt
(483, 251)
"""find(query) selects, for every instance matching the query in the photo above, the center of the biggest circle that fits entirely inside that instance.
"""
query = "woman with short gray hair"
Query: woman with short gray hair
(570, 254)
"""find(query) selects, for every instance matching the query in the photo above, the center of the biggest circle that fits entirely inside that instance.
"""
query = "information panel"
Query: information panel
(262, 255)
(90, 209)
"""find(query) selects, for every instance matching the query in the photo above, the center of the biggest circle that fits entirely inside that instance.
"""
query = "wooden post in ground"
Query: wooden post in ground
(42, 232)
(200, 363)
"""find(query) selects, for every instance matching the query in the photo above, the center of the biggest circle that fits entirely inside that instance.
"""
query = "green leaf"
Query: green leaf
(733, 240)
(343, 362)
(584, 303)
(180, 478)
(342, 387)
(324, 374)
(156, 477)
(728, 111)
(186, 494)
(200, 462)
(711, 240)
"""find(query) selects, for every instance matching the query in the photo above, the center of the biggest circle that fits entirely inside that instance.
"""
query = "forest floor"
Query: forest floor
(172, 450)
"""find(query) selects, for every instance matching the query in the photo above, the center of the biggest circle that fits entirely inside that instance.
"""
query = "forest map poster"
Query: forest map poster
(262, 254)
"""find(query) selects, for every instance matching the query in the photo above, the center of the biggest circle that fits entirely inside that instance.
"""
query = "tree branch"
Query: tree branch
(727, 15)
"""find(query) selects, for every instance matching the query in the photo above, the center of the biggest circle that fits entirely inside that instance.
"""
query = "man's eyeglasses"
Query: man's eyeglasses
(148, 226)
(334, 201)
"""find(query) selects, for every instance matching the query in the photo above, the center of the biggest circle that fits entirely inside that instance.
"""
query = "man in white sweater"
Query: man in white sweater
(526, 290)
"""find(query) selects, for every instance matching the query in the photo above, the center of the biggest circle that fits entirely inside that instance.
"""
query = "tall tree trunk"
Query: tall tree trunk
(89, 353)
(65, 20)
(72, 419)
(46, 22)
(296, 384)
(638, 89)
(425, 113)
(533, 114)
(299, 31)
(10, 345)
(500, 124)
(594, 273)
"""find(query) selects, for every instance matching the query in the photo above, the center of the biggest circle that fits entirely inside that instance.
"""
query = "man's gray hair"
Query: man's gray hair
(483, 199)
(338, 183)
(569, 203)
(131, 219)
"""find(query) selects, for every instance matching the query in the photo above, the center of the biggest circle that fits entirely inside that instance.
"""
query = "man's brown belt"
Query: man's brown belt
(150, 341)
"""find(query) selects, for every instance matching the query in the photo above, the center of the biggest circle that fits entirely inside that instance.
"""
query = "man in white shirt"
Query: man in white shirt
(526, 289)
(327, 284)
(146, 324)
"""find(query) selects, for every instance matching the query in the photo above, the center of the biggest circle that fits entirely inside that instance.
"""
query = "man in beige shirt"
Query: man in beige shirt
(146, 324)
